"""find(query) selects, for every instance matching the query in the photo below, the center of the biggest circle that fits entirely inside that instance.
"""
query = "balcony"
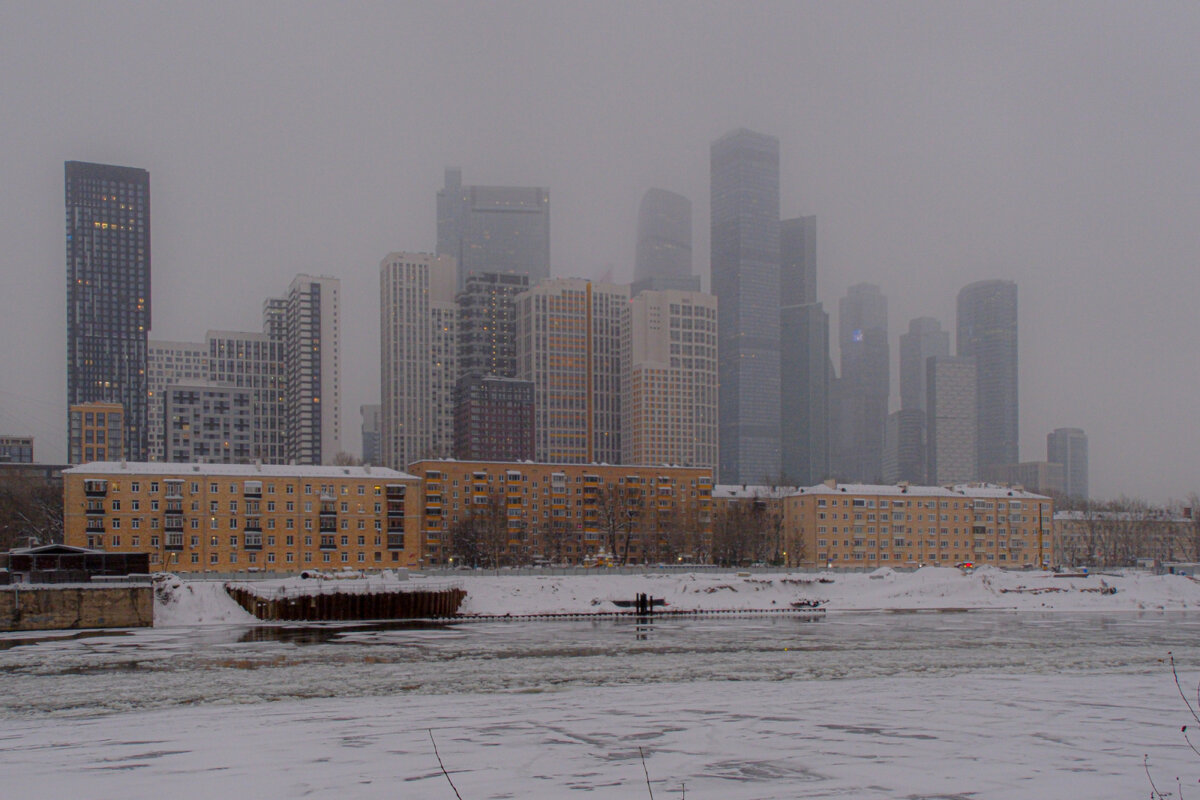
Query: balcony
(253, 541)
(174, 541)
(328, 542)
(95, 488)
(173, 522)
(395, 541)
(327, 524)
(174, 490)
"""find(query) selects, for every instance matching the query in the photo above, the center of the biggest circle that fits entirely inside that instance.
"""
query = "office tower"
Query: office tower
(1036, 476)
(98, 433)
(371, 426)
(1069, 447)
(904, 446)
(168, 363)
(669, 354)
(745, 279)
(418, 362)
(925, 339)
(312, 367)
(987, 332)
(804, 368)
(494, 228)
(864, 384)
(493, 419)
(950, 423)
(569, 346)
(208, 423)
(108, 293)
(664, 243)
(798, 261)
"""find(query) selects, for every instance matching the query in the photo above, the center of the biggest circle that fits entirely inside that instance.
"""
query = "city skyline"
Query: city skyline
(918, 190)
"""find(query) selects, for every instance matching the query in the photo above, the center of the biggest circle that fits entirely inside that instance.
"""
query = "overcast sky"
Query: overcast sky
(1054, 144)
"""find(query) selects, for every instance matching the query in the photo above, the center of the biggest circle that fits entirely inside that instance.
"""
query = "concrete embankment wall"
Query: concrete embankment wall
(51, 607)
(334, 606)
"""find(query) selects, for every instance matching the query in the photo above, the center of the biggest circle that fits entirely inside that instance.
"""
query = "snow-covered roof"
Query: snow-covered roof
(876, 489)
(236, 470)
(733, 490)
(996, 490)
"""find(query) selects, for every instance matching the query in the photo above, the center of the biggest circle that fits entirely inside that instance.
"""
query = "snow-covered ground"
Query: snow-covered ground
(200, 602)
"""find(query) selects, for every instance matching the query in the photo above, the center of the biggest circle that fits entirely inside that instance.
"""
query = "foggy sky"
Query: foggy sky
(938, 144)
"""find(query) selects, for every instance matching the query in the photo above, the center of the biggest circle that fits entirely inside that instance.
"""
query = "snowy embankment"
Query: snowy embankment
(181, 602)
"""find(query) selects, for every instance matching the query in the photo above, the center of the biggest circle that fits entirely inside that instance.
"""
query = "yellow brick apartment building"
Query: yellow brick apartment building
(567, 513)
(863, 525)
(234, 517)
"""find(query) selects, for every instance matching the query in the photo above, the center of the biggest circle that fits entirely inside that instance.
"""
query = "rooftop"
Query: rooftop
(235, 470)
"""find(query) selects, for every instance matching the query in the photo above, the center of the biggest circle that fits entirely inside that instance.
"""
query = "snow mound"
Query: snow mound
(178, 603)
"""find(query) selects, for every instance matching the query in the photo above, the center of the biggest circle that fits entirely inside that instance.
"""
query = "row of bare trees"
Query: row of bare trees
(31, 511)
(1118, 533)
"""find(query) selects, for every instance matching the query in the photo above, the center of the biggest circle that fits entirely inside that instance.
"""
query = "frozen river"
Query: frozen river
(923, 705)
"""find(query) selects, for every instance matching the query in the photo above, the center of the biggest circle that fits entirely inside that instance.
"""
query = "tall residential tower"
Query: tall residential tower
(108, 293)
(987, 332)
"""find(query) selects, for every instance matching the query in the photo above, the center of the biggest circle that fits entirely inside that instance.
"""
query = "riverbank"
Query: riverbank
(183, 602)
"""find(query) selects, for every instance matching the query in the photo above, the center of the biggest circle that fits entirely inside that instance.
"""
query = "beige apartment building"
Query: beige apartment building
(864, 525)
(669, 354)
(97, 432)
(235, 517)
(498, 513)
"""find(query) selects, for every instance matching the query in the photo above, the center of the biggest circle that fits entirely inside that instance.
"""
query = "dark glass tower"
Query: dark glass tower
(108, 292)
(745, 279)
(494, 228)
(664, 243)
(864, 385)
(987, 331)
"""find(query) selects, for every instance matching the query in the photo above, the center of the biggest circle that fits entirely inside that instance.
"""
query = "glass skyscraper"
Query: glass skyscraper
(108, 292)
(494, 228)
(664, 243)
(745, 279)
(987, 331)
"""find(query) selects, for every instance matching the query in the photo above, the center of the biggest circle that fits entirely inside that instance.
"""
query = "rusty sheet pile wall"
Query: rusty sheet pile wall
(348, 605)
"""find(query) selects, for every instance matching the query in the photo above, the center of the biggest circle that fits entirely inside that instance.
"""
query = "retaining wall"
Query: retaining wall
(55, 607)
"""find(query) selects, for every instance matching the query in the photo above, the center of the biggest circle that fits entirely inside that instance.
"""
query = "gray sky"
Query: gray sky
(1054, 144)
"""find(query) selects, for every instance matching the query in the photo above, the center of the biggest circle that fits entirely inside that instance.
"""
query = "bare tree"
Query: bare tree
(31, 510)
(619, 508)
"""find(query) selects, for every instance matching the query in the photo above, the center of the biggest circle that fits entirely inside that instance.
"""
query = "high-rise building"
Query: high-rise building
(494, 228)
(904, 446)
(256, 362)
(798, 261)
(208, 423)
(313, 367)
(169, 363)
(1069, 447)
(16, 449)
(664, 243)
(569, 346)
(670, 385)
(865, 383)
(371, 426)
(950, 426)
(745, 279)
(1038, 476)
(108, 293)
(804, 367)
(493, 419)
(987, 332)
(925, 339)
(97, 433)
(487, 324)
(417, 325)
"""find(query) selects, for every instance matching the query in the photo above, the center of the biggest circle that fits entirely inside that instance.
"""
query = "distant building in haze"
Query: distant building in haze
(864, 385)
(108, 293)
(16, 449)
(1036, 476)
(904, 446)
(950, 421)
(664, 243)
(208, 423)
(371, 422)
(1069, 447)
(987, 332)
(313, 369)
(925, 339)
(745, 278)
(494, 228)
(804, 368)
(169, 363)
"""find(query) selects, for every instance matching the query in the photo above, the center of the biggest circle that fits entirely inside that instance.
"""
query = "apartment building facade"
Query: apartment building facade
(235, 517)
(869, 526)
(537, 513)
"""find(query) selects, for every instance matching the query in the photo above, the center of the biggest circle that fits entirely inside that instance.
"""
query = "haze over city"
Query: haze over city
(937, 144)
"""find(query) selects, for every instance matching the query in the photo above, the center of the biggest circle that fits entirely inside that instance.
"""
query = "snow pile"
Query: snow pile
(178, 602)
(930, 588)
